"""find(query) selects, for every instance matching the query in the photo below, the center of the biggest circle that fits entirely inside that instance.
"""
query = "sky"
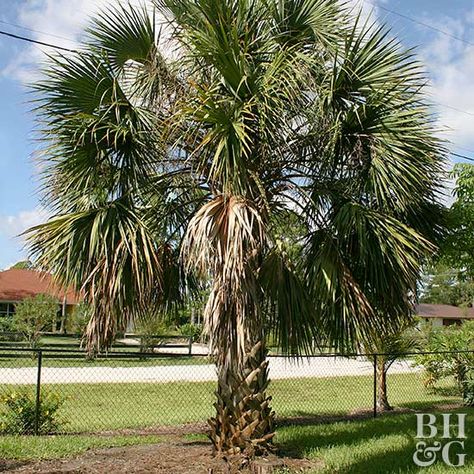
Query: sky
(442, 32)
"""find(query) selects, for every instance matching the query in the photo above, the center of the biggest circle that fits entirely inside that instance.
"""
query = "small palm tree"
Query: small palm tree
(389, 346)
(182, 150)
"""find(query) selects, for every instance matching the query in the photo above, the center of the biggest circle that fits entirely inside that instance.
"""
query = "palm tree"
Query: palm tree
(181, 150)
(389, 345)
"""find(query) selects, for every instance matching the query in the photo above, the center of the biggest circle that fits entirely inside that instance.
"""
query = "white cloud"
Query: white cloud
(58, 22)
(367, 9)
(450, 63)
(12, 226)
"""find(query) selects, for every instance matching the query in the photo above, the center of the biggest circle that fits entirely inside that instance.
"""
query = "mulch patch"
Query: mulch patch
(173, 456)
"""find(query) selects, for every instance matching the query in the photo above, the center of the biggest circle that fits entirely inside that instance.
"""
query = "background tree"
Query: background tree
(23, 265)
(442, 284)
(160, 164)
(458, 248)
(33, 316)
(448, 357)
(450, 278)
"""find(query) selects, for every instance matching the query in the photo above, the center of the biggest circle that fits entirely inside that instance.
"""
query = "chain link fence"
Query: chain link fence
(50, 390)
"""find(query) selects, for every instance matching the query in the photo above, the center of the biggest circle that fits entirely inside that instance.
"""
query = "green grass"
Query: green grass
(381, 446)
(60, 361)
(99, 407)
(368, 446)
(27, 448)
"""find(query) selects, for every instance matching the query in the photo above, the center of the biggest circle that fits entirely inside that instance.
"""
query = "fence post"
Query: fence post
(190, 345)
(375, 385)
(38, 392)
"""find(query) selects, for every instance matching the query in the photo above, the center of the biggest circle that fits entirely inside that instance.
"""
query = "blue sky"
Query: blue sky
(449, 62)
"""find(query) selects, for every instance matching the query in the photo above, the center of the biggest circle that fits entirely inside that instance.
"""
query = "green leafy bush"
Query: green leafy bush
(151, 330)
(33, 316)
(446, 360)
(6, 324)
(78, 319)
(191, 330)
(19, 412)
(468, 392)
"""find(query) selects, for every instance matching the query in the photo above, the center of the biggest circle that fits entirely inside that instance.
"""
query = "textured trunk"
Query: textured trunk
(226, 237)
(244, 419)
(382, 400)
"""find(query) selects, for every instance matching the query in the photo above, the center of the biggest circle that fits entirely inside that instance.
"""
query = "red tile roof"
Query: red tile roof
(17, 284)
(444, 311)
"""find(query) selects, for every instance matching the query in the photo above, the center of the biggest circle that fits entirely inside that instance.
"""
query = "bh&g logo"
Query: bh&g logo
(450, 447)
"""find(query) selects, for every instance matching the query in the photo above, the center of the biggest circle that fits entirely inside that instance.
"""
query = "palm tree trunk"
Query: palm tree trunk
(244, 420)
(382, 399)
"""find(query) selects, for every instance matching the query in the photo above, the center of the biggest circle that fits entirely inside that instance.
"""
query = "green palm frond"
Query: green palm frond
(308, 22)
(292, 315)
(124, 33)
(98, 144)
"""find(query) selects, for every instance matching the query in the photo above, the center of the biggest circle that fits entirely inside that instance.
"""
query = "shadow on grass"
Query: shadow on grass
(361, 446)
(301, 418)
(7, 465)
(450, 391)
(345, 432)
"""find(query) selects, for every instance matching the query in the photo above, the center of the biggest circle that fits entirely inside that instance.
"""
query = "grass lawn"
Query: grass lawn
(26, 448)
(365, 446)
(99, 407)
(381, 446)
(60, 360)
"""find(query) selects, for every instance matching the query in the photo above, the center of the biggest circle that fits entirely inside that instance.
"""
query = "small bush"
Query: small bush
(468, 392)
(151, 331)
(6, 324)
(445, 354)
(191, 330)
(33, 316)
(76, 322)
(18, 415)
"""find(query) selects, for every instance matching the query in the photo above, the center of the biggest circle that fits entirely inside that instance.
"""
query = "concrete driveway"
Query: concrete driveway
(280, 368)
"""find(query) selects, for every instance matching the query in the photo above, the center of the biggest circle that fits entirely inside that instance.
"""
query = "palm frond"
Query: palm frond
(292, 315)
(124, 33)
(109, 255)
(308, 22)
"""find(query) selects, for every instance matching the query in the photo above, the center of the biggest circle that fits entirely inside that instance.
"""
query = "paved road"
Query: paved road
(280, 368)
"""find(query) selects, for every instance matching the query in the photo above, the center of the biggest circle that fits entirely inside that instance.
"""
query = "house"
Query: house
(17, 284)
(443, 314)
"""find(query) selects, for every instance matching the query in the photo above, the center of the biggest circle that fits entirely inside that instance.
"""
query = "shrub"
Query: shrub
(151, 331)
(445, 359)
(6, 324)
(78, 319)
(191, 330)
(468, 392)
(19, 412)
(33, 316)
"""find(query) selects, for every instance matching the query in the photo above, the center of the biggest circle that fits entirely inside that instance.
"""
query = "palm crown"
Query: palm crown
(186, 149)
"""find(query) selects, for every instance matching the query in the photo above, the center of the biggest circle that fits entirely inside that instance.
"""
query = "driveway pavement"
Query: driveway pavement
(280, 368)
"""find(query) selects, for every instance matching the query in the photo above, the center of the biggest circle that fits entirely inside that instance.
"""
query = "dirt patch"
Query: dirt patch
(7, 465)
(173, 430)
(171, 457)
